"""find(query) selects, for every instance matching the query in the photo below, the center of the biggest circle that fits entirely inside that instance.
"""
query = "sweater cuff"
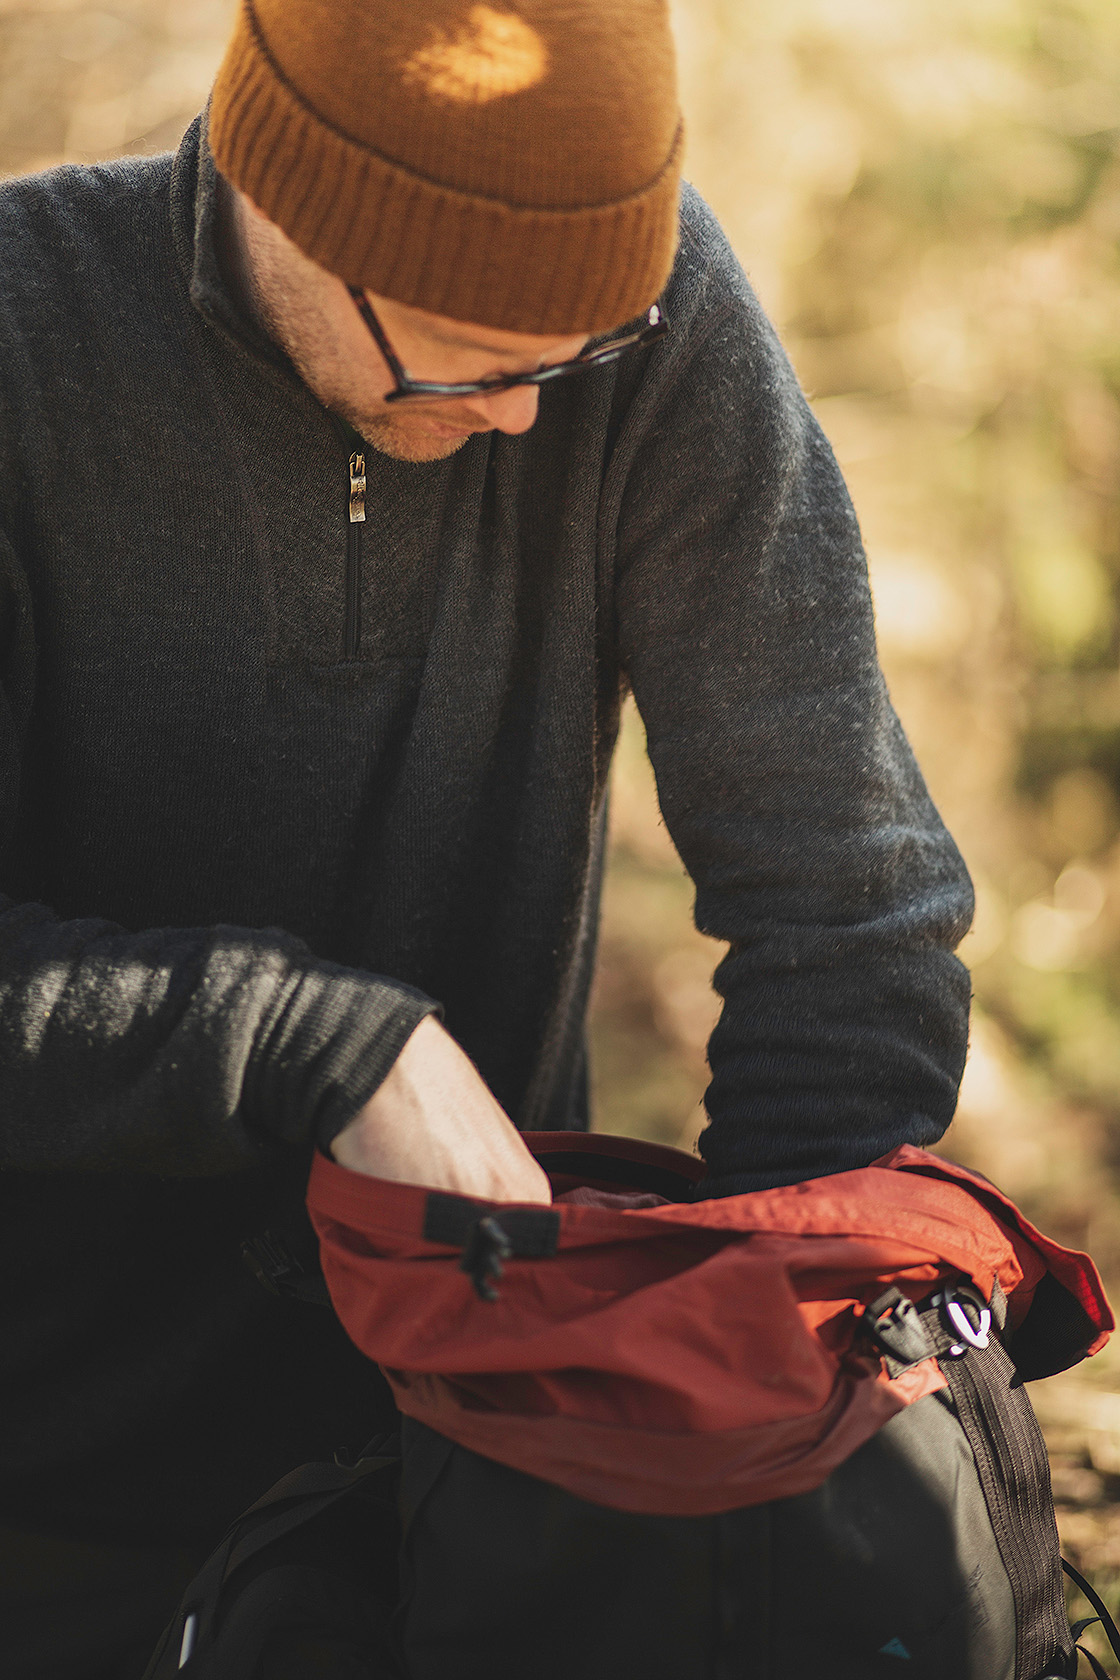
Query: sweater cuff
(715, 1185)
(327, 1047)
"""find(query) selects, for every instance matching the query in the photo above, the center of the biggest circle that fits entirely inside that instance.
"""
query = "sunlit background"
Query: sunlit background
(926, 195)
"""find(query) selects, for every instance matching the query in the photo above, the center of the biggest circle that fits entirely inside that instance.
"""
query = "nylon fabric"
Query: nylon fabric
(302, 1584)
(685, 1358)
(894, 1553)
(930, 1541)
(1014, 1473)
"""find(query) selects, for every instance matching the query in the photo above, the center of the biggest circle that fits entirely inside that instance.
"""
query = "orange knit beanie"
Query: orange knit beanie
(514, 164)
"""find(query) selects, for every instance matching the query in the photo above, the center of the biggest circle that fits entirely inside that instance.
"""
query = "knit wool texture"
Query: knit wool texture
(518, 167)
(273, 785)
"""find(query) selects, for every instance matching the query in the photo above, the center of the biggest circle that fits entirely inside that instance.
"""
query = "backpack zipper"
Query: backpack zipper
(352, 629)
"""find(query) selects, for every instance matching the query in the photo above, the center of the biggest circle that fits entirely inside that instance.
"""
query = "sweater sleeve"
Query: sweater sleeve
(790, 791)
(171, 1051)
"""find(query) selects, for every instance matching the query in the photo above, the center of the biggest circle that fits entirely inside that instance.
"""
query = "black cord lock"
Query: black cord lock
(486, 1247)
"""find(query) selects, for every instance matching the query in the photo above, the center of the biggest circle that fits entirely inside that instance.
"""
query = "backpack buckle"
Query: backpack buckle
(274, 1264)
(965, 1317)
(893, 1321)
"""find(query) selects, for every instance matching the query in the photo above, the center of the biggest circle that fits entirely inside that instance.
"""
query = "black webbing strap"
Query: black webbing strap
(488, 1234)
(296, 1499)
(1099, 1673)
(895, 1325)
(1014, 1473)
(1103, 1615)
(532, 1232)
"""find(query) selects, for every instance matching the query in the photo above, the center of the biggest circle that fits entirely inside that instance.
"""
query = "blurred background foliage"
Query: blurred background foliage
(926, 195)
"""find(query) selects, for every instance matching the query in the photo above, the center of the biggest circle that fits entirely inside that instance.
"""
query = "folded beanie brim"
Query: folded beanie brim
(375, 223)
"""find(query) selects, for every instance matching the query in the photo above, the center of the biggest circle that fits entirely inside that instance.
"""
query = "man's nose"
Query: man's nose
(509, 411)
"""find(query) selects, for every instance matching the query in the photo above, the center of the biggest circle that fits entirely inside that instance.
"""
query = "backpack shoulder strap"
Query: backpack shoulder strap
(296, 1499)
(1014, 1470)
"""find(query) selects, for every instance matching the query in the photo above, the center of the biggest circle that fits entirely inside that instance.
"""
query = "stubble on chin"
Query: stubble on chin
(391, 438)
(295, 319)
(283, 290)
(381, 430)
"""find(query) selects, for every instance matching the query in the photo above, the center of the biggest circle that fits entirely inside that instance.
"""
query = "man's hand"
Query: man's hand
(434, 1122)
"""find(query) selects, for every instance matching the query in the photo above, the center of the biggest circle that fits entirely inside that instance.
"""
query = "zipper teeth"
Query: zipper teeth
(352, 630)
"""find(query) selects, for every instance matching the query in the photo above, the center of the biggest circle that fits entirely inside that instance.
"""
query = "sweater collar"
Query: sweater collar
(196, 205)
(196, 202)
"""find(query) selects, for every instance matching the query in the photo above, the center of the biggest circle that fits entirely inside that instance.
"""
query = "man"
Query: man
(310, 686)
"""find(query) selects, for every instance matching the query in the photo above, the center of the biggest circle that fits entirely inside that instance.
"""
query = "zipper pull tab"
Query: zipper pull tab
(357, 489)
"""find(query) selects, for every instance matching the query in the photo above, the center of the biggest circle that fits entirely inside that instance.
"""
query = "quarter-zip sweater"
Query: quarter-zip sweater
(275, 780)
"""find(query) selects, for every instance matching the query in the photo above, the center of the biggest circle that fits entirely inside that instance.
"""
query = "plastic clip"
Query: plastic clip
(964, 1315)
(894, 1323)
(487, 1245)
(273, 1263)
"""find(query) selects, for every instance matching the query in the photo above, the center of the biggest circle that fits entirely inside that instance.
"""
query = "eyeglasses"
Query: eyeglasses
(655, 326)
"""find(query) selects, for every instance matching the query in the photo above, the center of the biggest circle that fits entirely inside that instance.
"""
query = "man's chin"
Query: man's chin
(402, 442)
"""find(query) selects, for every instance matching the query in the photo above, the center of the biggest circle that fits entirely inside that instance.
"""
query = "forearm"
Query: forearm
(845, 1021)
(820, 859)
(821, 1070)
(745, 626)
(180, 1052)
(435, 1122)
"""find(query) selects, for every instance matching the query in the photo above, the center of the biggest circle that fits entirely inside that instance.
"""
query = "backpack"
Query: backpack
(771, 1437)
(302, 1586)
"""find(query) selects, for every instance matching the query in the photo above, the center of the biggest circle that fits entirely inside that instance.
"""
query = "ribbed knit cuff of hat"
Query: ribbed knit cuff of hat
(516, 168)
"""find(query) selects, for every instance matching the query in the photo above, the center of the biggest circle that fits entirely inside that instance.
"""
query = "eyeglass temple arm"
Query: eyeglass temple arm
(365, 310)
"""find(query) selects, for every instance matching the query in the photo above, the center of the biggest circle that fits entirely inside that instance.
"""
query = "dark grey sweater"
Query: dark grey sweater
(266, 791)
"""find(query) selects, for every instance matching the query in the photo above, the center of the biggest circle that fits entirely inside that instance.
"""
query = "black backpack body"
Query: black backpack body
(930, 1554)
(302, 1587)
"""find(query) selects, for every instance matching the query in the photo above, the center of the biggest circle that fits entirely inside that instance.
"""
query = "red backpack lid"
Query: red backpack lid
(685, 1357)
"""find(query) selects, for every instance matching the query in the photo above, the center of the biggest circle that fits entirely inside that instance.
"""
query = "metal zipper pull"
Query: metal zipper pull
(357, 489)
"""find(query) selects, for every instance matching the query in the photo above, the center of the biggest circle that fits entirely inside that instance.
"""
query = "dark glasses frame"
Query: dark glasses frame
(655, 326)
